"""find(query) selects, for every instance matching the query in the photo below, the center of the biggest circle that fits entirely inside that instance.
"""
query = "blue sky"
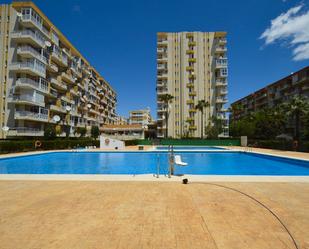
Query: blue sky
(119, 39)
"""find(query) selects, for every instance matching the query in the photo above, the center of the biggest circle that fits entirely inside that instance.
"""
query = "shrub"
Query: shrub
(8, 146)
(82, 131)
(16, 146)
(49, 132)
(95, 131)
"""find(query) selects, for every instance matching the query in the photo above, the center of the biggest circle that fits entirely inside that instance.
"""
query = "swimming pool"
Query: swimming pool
(131, 163)
(189, 148)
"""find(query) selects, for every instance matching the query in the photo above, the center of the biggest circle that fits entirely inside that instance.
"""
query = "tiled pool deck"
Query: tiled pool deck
(149, 214)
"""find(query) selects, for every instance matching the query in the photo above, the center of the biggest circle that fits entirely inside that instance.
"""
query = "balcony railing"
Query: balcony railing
(25, 131)
(221, 63)
(31, 115)
(28, 49)
(28, 98)
(221, 100)
(30, 18)
(40, 84)
(33, 66)
(34, 36)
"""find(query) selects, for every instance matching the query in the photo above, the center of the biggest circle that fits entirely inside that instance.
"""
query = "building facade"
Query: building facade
(191, 66)
(295, 84)
(123, 132)
(142, 117)
(120, 120)
(43, 75)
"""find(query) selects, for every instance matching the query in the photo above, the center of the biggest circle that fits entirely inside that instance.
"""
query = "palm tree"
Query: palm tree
(296, 108)
(200, 106)
(166, 99)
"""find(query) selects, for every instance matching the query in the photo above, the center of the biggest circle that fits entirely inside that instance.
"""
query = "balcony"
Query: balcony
(53, 93)
(189, 68)
(52, 67)
(192, 93)
(162, 91)
(27, 100)
(56, 83)
(223, 91)
(59, 57)
(40, 84)
(28, 36)
(189, 35)
(58, 108)
(223, 72)
(222, 62)
(67, 77)
(30, 21)
(192, 110)
(192, 44)
(190, 51)
(25, 131)
(192, 76)
(31, 116)
(162, 66)
(222, 41)
(161, 50)
(220, 49)
(190, 85)
(221, 83)
(33, 67)
(221, 100)
(221, 116)
(27, 51)
(192, 127)
(190, 101)
(193, 60)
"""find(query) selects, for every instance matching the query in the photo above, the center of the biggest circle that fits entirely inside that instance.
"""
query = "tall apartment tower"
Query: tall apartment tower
(44, 79)
(191, 66)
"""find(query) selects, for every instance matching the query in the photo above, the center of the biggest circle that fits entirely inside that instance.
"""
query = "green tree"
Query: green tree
(269, 123)
(296, 109)
(200, 106)
(95, 132)
(49, 132)
(214, 129)
(166, 99)
(82, 131)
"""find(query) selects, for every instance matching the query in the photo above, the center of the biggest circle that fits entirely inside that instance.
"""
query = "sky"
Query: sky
(267, 39)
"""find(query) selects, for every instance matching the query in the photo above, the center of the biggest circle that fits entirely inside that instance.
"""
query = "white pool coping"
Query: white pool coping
(152, 177)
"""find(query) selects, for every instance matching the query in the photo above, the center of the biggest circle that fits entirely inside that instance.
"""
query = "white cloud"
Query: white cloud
(291, 27)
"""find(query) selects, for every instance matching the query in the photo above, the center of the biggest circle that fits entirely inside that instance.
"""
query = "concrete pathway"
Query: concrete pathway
(71, 214)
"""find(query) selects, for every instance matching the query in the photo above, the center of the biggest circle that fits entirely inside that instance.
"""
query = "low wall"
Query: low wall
(192, 142)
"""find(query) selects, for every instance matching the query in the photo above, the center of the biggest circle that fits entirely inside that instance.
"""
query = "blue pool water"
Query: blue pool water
(200, 163)
(188, 148)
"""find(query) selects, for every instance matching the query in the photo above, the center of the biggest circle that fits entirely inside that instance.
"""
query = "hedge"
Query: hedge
(278, 144)
(8, 146)
(193, 142)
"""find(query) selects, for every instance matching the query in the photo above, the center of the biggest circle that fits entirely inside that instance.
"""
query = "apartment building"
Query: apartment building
(271, 95)
(45, 79)
(120, 120)
(142, 117)
(191, 66)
